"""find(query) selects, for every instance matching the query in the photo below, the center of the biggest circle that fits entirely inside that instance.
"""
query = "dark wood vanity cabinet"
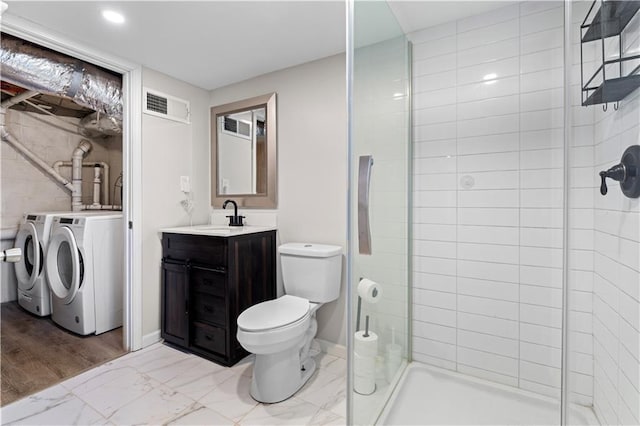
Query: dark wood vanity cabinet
(207, 282)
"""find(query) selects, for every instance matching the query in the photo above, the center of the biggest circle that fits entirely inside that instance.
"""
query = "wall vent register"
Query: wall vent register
(166, 106)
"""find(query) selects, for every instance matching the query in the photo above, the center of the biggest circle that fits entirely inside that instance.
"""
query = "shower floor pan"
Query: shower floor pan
(430, 395)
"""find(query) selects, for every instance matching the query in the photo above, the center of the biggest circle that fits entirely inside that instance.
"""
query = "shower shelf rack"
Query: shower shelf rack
(609, 20)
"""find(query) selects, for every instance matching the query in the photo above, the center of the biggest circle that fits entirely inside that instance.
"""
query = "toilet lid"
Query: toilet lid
(273, 313)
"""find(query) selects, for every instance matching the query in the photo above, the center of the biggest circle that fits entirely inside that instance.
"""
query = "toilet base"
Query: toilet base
(267, 384)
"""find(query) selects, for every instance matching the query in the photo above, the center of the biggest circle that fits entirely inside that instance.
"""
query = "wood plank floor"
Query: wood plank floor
(36, 353)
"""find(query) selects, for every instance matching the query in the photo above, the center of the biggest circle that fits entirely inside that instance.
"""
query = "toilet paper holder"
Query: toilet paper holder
(359, 309)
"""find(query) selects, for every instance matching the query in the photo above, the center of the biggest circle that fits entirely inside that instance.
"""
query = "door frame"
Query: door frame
(131, 156)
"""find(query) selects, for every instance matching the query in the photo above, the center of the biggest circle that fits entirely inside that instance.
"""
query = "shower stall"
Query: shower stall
(493, 278)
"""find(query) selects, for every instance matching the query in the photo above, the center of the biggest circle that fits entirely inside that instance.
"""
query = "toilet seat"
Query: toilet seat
(274, 314)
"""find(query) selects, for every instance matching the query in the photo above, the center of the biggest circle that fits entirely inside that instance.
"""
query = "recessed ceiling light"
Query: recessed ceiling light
(113, 16)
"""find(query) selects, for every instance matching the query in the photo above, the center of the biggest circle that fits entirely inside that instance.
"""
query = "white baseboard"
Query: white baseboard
(151, 338)
(331, 348)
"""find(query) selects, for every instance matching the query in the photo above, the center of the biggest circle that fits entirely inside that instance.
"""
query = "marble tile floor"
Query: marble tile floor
(161, 385)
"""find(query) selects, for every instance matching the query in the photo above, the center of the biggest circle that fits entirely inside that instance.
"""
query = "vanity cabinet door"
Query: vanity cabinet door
(175, 303)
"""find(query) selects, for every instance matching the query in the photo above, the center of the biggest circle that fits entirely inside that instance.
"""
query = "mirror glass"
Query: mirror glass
(243, 152)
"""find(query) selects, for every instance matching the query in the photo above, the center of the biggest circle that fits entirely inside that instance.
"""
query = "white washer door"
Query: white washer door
(64, 265)
(30, 266)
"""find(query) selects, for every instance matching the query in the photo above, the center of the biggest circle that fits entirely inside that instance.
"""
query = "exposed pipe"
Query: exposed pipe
(76, 173)
(96, 185)
(104, 197)
(18, 146)
(35, 68)
(18, 98)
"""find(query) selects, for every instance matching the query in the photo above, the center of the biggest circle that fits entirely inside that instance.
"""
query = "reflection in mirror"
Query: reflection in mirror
(242, 159)
(243, 152)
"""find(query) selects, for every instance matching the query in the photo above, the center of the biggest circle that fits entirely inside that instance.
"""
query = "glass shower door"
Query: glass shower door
(379, 208)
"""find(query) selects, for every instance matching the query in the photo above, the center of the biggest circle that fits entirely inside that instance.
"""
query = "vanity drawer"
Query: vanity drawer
(195, 248)
(209, 337)
(209, 308)
(208, 280)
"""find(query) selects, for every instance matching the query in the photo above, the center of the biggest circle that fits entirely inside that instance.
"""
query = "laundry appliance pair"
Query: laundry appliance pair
(72, 269)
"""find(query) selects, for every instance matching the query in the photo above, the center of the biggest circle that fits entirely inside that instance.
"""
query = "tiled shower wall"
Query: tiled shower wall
(488, 176)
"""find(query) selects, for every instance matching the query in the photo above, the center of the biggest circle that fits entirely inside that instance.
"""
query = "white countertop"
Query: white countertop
(218, 230)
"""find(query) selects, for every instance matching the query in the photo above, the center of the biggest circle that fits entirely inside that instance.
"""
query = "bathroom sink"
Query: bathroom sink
(214, 229)
(217, 230)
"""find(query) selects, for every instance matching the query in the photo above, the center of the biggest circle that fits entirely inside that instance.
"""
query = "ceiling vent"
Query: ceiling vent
(166, 106)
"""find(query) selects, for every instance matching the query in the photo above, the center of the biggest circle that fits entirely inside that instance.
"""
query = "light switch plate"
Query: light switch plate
(185, 184)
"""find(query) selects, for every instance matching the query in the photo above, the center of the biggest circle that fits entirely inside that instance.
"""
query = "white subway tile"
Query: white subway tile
(487, 253)
(541, 335)
(486, 35)
(541, 198)
(542, 100)
(488, 53)
(488, 234)
(539, 256)
(488, 162)
(490, 362)
(429, 66)
(543, 355)
(429, 49)
(488, 198)
(541, 275)
(488, 325)
(435, 165)
(488, 343)
(435, 249)
(434, 182)
(442, 215)
(489, 289)
(432, 33)
(487, 271)
(434, 232)
(541, 139)
(434, 265)
(427, 83)
(541, 178)
(488, 307)
(488, 107)
(537, 373)
(488, 126)
(541, 237)
(507, 142)
(434, 115)
(494, 16)
(434, 98)
(491, 180)
(541, 218)
(434, 332)
(542, 60)
(487, 375)
(436, 299)
(441, 148)
(541, 315)
(488, 71)
(488, 216)
(433, 281)
(542, 296)
(489, 89)
(435, 315)
(542, 40)
(548, 19)
(542, 120)
(435, 349)
(432, 132)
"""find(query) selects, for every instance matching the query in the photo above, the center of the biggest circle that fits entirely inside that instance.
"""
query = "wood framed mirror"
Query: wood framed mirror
(243, 153)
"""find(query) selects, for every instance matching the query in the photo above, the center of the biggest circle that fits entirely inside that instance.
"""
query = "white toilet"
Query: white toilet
(279, 332)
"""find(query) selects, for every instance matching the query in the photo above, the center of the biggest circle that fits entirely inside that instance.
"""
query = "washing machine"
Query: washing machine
(84, 268)
(32, 238)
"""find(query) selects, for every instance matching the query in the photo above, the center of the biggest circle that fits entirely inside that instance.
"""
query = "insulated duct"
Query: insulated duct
(35, 68)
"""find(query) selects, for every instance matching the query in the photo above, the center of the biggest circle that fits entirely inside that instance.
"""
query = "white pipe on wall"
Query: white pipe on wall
(7, 137)
(18, 98)
(96, 185)
(105, 174)
(76, 173)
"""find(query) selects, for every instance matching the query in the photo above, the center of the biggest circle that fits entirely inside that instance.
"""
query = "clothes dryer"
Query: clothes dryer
(32, 238)
(84, 267)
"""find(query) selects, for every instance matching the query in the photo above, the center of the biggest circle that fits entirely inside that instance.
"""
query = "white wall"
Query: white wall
(312, 158)
(170, 149)
(488, 255)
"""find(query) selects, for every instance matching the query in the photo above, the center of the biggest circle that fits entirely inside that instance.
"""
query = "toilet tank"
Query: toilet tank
(312, 271)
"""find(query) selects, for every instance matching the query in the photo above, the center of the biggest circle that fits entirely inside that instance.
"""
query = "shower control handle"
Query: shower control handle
(627, 173)
(617, 173)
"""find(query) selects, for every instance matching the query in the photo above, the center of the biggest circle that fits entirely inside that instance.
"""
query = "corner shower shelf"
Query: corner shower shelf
(608, 21)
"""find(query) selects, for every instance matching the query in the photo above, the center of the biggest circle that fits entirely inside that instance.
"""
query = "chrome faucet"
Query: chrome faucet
(234, 220)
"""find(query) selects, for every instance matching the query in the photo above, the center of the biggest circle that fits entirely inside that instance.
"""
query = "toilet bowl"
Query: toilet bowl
(280, 332)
